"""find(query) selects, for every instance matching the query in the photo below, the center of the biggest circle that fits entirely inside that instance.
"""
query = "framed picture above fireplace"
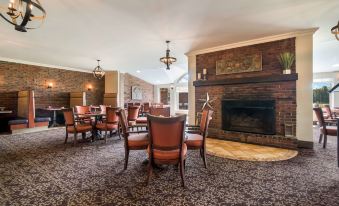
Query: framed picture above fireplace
(239, 64)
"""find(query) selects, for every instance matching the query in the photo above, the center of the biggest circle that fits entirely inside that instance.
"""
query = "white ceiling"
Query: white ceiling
(129, 35)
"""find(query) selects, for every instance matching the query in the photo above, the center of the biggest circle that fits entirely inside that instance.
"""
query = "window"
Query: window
(320, 92)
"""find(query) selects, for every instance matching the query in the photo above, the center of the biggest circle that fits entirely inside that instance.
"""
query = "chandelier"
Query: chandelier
(98, 72)
(335, 31)
(20, 13)
(168, 60)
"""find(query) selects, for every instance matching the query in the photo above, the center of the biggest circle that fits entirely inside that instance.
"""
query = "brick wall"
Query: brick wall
(284, 93)
(16, 77)
(129, 81)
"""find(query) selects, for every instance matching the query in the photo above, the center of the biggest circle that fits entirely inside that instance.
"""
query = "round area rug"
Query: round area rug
(248, 152)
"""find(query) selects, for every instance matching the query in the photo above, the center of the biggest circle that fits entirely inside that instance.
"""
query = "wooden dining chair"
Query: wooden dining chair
(146, 108)
(328, 110)
(111, 123)
(160, 111)
(132, 115)
(73, 126)
(83, 110)
(167, 145)
(325, 130)
(132, 140)
(196, 137)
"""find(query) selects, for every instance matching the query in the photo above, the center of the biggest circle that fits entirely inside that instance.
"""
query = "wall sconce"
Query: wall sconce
(50, 85)
(89, 87)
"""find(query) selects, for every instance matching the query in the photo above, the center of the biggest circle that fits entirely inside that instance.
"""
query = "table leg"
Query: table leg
(54, 124)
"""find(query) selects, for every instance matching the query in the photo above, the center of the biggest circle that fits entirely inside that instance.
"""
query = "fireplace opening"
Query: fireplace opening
(252, 116)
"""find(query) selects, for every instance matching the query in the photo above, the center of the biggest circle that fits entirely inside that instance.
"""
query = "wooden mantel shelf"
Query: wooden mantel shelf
(247, 80)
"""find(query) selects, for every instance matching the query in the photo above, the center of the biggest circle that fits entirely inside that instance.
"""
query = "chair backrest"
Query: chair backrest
(206, 117)
(69, 117)
(328, 111)
(319, 113)
(123, 122)
(146, 107)
(130, 104)
(133, 113)
(160, 111)
(111, 114)
(172, 139)
(83, 109)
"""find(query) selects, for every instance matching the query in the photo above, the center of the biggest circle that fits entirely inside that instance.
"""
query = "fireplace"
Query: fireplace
(251, 116)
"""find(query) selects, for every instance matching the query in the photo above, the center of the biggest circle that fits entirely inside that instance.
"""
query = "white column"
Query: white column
(304, 68)
(191, 89)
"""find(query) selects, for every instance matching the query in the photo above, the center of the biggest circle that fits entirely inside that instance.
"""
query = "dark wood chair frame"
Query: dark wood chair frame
(322, 124)
(115, 122)
(74, 126)
(203, 133)
(180, 161)
(126, 133)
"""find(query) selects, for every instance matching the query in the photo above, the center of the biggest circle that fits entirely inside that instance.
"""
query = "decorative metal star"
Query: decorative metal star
(207, 102)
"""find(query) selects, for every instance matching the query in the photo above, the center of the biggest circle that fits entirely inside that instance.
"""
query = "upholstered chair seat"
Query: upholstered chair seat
(141, 120)
(104, 126)
(80, 128)
(138, 140)
(159, 155)
(194, 140)
(330, 130)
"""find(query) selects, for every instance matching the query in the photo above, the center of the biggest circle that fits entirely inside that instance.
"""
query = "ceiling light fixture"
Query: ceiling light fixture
(19, 13)
(335, 31)
(168, 60)
(98, 72)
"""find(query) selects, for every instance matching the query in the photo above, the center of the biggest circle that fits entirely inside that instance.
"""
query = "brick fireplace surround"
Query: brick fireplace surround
(268, 84)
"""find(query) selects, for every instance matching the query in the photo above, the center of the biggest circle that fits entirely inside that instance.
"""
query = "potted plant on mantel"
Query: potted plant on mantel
(286, 60)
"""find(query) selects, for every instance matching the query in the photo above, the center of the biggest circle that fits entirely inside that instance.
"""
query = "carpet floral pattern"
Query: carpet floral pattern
(38, 169)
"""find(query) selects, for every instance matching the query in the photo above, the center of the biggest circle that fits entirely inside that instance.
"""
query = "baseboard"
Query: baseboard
(305, 144)
(29, 130)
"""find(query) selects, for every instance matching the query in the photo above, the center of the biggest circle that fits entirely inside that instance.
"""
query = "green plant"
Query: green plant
(286, 60)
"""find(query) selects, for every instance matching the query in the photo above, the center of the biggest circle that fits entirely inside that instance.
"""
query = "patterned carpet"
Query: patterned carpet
(38, 169)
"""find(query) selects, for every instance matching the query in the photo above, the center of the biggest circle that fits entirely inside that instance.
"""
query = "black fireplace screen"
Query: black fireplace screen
(252, 116)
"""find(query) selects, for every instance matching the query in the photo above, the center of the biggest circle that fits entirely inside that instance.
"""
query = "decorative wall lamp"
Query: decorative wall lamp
(89, 87)
(49, 85)
(335, 31)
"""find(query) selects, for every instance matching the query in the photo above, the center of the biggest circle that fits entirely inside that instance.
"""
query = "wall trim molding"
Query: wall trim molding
(254, 41)
(18, 61)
